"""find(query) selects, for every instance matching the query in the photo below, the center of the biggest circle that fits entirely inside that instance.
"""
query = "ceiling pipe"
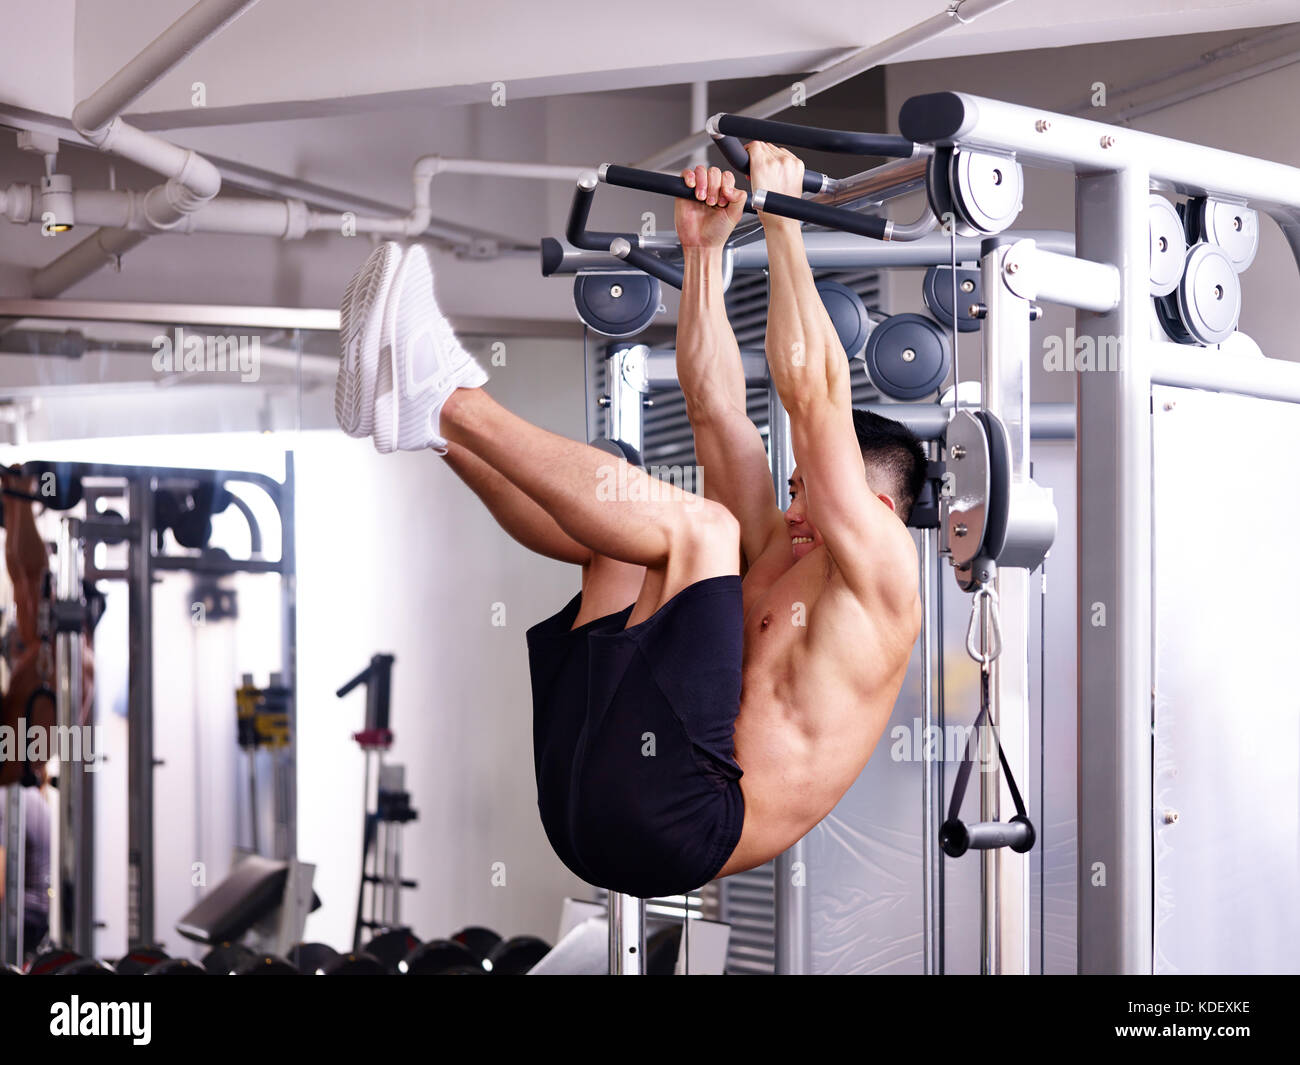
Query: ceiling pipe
(288, 219)
(102, 248)
(164, 52)
(192, 180)
(959, 12)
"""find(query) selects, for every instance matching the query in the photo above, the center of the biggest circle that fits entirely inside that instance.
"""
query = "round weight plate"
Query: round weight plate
(360, 964)
(1209, 295)
(392, 946)
(907, 356)
(848, 315)
(437, 957)
(515, 956)
(938, 192)
(1233, 228)
(937, 291)
(617, 305)
(477, 940)
(177, 967)
(50, 962)
(139, 961)
(987, 189)
(311, 957)
(1168, 245)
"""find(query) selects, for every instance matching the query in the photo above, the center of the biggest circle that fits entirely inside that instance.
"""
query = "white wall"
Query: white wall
(396, 555)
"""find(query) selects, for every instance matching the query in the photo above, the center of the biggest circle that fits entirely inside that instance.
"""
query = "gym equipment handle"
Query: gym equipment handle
(790, 135)
(820, 214)
(957, 838)
(626, 244)
(771, 202)
(651, 181)
(734, 152)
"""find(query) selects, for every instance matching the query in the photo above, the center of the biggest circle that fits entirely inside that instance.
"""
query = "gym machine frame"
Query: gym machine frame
(72, 860)
(1116, 170)
(1109, 283)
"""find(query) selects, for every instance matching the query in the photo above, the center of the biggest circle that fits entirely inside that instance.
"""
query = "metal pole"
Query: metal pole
(625, 385)
(288, 757)
(15, 839)
(1004, 875)
(793, 949)
(140, 764)
(931, 801)
(1115, 875)
(74, 869)
(626, 935)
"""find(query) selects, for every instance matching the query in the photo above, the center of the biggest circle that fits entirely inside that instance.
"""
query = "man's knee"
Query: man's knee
(708, 526)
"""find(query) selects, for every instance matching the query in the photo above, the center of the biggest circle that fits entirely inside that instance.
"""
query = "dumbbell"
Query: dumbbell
(311, 958)
(391, 946)
(515, 956)
(139, 961)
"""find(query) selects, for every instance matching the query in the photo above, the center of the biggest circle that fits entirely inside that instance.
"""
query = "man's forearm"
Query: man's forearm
(803, 353)
(709, 370)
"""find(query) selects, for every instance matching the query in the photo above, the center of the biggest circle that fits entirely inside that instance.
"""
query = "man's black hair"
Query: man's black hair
(892, 452)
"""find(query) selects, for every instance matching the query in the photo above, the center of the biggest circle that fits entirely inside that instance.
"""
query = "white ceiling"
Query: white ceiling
(346, 94)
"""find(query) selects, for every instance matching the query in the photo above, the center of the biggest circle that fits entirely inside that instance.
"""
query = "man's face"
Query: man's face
(803, 536)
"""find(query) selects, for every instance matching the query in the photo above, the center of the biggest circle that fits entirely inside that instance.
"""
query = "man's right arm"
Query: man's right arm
(728, 445)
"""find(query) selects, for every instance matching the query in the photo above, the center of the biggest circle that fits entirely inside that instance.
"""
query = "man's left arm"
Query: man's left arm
(810, 371)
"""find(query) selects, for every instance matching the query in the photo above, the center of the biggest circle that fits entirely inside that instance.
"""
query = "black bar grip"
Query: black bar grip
(647, 262)
(628, 177)
(734, 152)
(957, 838)
(577, 233)
(791, 135)
(819, 214)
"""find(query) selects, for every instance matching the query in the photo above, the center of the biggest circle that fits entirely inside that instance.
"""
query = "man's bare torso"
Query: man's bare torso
(809, 642)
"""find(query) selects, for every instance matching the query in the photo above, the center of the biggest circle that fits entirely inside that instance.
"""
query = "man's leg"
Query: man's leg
(608, 585)
(607, 505)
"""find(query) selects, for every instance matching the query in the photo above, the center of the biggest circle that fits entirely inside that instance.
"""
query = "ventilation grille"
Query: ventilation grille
(746, 900)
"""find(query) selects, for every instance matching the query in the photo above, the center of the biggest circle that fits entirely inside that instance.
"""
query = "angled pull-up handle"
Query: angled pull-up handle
(728, 132)
(621, 245)
(776, 203)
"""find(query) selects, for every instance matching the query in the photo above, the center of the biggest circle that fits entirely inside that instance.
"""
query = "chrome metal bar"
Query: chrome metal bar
(1004, 874)
(72, 873)
(830, 250)
(15, 844)
(931, 800)
(626, 935)
(140, 764)
(1188, 367)
(289, 651)
(1115, 879)
(790, 878)
(172, 313)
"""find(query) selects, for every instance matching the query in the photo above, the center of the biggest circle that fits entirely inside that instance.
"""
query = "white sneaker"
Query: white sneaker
(361, 317)
(423, 363)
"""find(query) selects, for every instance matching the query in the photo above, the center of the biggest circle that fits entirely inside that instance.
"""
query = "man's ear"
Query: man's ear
(888, 500)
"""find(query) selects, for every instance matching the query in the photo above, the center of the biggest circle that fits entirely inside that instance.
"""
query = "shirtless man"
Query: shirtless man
(707, 726)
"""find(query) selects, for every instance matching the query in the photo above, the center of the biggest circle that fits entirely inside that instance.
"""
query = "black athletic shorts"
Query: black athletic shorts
(637, 780)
